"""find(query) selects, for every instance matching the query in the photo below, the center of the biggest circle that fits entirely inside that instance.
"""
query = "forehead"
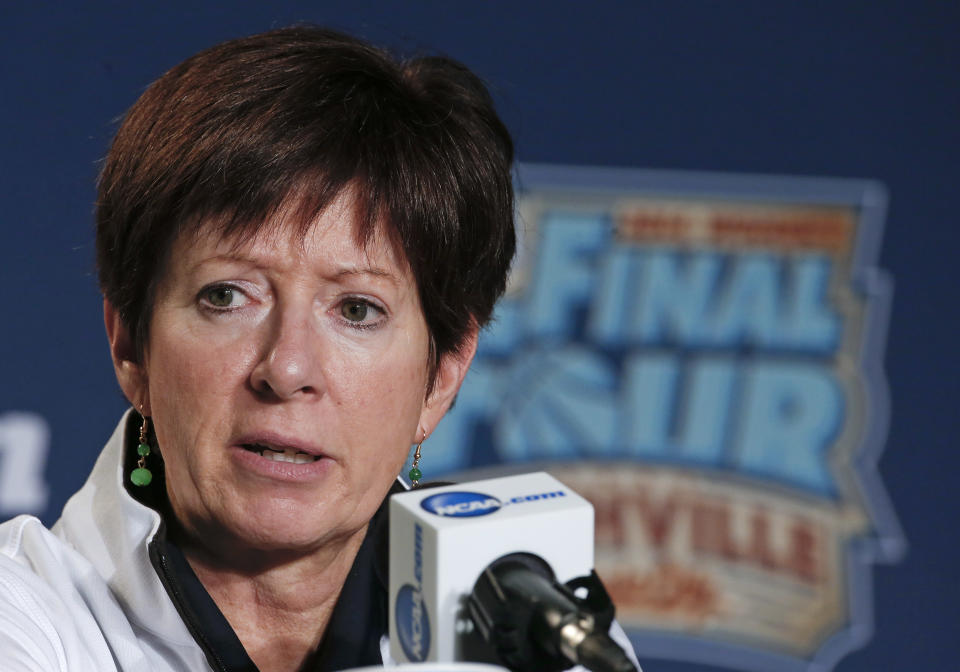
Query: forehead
(338, 237)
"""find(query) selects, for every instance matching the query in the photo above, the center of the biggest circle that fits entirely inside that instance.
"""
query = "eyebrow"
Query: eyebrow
(367, 270)
(227, 257)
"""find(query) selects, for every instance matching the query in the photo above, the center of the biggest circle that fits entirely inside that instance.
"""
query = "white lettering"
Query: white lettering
(24, 443)
(416, 620)
(467, 507)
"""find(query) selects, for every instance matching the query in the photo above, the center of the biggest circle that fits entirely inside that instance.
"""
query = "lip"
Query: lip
(280, 440)
(280, 471)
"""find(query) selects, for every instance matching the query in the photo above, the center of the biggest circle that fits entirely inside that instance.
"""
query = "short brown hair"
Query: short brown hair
(231, 133)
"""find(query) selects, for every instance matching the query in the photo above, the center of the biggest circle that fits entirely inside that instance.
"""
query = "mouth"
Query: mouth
(280, 453)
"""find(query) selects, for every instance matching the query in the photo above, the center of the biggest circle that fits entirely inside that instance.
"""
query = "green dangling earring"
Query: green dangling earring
(141, 476)
(415, 474)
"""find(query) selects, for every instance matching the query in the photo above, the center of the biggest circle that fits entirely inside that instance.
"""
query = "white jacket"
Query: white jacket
(85, 594)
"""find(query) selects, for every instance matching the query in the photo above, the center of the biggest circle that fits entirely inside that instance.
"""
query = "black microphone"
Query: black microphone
(533, 623)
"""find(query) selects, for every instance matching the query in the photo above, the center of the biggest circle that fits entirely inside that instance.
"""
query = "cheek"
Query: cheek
(388, 390)
(381, 399)
(189, 390)
(185, 367)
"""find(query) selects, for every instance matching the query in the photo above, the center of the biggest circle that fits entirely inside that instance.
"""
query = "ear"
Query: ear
(131, 373)
(451, 371)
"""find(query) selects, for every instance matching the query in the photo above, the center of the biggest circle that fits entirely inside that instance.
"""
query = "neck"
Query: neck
(279, 605)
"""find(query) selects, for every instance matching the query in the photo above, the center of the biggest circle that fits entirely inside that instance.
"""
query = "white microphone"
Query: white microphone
(478, 571)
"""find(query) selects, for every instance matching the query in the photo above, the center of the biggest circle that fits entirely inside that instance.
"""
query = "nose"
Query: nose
(288, 365)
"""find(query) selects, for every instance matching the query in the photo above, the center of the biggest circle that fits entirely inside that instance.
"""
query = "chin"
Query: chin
(274, 527)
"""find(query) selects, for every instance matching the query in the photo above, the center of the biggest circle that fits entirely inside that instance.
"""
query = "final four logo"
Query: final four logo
(700, 357)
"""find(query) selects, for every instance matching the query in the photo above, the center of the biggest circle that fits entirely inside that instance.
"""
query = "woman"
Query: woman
(298, 239)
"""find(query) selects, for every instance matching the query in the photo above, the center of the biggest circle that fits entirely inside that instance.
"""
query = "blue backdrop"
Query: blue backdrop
(866, 90)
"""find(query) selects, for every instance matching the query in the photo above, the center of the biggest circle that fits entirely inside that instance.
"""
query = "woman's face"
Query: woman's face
(286, 382)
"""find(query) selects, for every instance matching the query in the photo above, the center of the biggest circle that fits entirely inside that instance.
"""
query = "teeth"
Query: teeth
(284, 454)
(276, 456)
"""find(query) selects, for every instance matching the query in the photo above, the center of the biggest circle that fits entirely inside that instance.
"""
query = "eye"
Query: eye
(354, 311)
(362, 313)
(221, 298)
